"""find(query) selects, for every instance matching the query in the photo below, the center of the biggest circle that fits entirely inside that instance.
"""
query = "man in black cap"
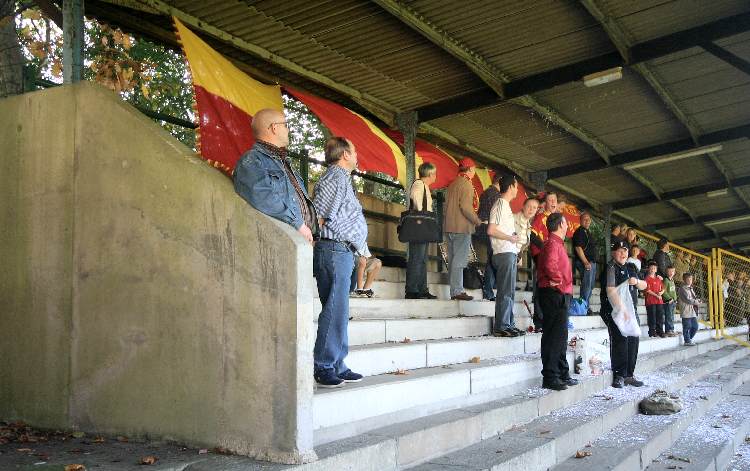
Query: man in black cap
(623, 350)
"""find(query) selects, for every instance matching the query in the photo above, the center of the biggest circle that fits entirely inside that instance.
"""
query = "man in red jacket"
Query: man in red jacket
(555, 281)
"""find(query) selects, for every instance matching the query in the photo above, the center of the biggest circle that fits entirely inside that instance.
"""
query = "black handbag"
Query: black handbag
(419, 226)
(474, 275)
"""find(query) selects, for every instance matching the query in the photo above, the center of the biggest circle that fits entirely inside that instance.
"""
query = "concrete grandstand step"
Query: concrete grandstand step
(373, 331)
(635, 443)
(710, 442)
(375, 308)
(394, 398)
(409, 354)
(551, 439)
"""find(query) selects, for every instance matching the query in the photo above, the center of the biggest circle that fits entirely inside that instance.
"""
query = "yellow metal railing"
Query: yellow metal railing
(688, 261)
(731, 291)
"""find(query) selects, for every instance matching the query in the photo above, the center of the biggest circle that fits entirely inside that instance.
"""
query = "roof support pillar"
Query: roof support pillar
(538, 180)
(607, 231)
(407, 123)
(72, 13)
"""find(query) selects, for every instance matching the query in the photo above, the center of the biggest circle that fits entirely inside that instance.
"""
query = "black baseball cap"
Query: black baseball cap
(619, 244)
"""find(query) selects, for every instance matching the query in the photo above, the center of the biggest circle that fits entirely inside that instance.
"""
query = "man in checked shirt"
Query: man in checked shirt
(343, 236)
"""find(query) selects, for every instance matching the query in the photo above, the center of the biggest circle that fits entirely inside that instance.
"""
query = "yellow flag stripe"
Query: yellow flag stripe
(395, 150)
(484, 177)
(218, 76)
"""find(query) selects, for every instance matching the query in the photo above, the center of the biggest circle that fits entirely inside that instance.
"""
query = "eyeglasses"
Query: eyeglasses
(280, 122)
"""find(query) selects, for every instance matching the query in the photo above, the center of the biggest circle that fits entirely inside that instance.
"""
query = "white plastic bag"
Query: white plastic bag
(589, 356)
(625, 317)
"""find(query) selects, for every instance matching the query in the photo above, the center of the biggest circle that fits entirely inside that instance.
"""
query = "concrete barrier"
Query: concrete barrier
(140, 296)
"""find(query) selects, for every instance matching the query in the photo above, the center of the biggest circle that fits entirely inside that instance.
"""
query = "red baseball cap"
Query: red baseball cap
(466, 162)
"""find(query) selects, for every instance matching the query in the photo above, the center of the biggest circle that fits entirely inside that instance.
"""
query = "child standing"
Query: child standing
(670, 301)
(654, 303)
(688, 309)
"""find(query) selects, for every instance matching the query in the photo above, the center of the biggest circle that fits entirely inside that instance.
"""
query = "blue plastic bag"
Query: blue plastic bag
(578, 307)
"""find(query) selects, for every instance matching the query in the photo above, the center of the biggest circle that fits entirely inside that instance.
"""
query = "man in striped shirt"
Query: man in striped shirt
(343, 236)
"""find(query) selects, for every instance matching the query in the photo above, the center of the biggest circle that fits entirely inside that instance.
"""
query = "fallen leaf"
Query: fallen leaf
(400, 372)
(220, 450)
(99, 440)
(149, 460)
(679, 458)
(75, 467)
(406, 340)
(544, 432)
(24, 450)
(474, 360)
(77, 434)
(122, 439)
(582, 454)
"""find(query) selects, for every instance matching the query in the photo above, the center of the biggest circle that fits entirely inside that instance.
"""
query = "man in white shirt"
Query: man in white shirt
(504, 240)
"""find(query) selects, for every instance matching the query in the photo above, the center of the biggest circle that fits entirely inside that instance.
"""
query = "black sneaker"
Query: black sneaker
(328, 379)
(413, 296)
(350, 377)
(631, 381)
(427, 295)
(569, 381)
(618, 382)
(518, 331)
(554, 385)
(505, 333)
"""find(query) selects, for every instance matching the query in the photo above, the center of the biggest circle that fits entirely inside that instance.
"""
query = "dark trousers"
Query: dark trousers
(655, 316)
(623, 351)
(489, 273)
(555, 334)
(538, 310)
(416, 268)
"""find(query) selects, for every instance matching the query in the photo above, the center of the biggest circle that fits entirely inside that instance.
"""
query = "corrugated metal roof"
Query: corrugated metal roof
(359, 45)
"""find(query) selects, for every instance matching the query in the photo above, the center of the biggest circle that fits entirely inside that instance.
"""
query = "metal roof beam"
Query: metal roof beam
(652, 151)
(703, 220)
(733, 232)
(682, 193)
(641, 52)
(489, 73)
(726, 56)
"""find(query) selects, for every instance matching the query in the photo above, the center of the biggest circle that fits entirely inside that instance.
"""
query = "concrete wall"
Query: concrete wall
(140, 295)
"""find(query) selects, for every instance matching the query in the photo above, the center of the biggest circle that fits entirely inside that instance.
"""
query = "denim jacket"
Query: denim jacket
(261, 180)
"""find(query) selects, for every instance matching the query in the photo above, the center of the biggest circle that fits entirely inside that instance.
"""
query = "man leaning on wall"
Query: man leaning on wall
(264, 176)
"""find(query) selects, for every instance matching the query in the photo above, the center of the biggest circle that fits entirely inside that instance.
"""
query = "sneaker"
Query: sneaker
(554, 385)
(427, 295)
(631, 381)
(328, 379)
(349, 376)
(690, 343)
(518, 331)
(462, 297)
(505, 333)
(618, 382)
(412, 296)
(368, 292)
(569, 381)
(489, 299)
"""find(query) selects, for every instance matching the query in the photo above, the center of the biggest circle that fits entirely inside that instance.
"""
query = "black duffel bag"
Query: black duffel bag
(419, 226)
(474, 275)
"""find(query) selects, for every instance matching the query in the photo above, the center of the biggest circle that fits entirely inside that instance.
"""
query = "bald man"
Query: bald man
(265, 179)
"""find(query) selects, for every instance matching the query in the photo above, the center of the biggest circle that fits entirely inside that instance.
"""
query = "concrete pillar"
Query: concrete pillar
(72, 41)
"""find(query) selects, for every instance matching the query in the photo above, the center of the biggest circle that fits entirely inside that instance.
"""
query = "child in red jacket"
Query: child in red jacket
(654, 303)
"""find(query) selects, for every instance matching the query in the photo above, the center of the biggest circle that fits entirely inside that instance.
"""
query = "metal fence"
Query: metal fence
(684, 261)
(731, 287)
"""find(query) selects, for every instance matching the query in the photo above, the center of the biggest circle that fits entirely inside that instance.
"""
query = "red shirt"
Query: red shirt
(654, 284)
(554, 266)
(539, 228)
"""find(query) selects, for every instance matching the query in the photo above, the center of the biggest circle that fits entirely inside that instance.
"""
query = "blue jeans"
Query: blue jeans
(587, 279)
(333, 263)
(669, 317)
(505, 263)
(689, 328)
(489, 274)
(458, 259)
(416, 268)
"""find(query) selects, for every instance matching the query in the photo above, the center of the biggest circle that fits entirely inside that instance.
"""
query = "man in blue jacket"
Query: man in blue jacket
(265, 179)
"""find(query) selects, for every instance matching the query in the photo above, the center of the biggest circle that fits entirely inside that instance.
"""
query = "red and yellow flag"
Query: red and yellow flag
(376, 151)
(226, 100)
(445, 164)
